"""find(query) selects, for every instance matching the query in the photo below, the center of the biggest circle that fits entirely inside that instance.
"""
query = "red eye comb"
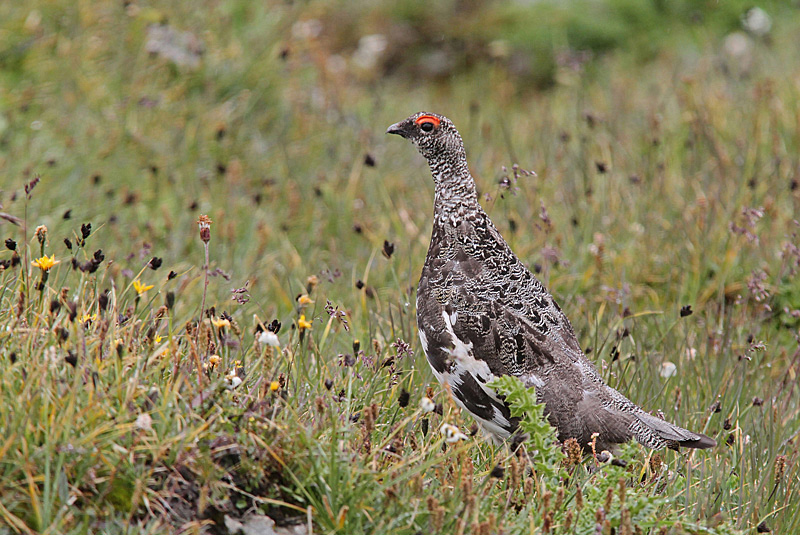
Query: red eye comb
(428, 119)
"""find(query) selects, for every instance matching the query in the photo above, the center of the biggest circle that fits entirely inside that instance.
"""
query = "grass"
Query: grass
(661, 185)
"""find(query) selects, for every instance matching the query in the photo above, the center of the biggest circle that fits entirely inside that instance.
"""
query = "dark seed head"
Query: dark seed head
(388, 248)
(403, 398)
(498, 472)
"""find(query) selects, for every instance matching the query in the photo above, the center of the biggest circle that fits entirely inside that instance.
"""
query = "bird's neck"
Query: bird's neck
(455, 193)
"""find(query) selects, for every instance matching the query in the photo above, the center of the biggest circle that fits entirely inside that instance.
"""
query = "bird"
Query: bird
(482, 314)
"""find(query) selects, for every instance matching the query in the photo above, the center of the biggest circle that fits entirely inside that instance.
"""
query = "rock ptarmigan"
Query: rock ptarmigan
(482, 314)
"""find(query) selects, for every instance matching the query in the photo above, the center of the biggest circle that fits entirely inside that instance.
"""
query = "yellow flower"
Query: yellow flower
(304, 300)
(219, 323)
(158, 339)
(46, 262)
(304, 324)
(274, 385)
(88, 317)
(140, 288)
(213, 360)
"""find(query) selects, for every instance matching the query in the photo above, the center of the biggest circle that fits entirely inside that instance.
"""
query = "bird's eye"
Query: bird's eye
(426, 126)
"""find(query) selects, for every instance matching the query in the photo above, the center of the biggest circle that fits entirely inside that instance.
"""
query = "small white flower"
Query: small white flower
(427, 404)
(452, 433)
(144, 422)
(233, 379)
(757, 21)
(691, 353)
(269, 338)
(668, 369)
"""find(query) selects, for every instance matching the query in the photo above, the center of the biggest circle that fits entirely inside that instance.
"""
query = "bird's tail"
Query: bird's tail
(656, 433)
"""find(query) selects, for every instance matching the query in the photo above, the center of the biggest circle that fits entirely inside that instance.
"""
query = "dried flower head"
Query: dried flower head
(41, 234)
(204, 223)
(311, 283)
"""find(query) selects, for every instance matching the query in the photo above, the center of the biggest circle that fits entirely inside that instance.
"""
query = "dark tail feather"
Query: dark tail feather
(701, 443)
(673, 435)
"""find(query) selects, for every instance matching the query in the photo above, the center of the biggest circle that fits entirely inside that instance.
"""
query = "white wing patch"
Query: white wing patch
(424, 340)
(464, 362)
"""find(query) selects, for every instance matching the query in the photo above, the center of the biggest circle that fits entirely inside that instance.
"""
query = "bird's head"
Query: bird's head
(434, 136)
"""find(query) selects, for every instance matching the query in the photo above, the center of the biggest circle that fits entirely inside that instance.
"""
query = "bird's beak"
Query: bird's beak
(397, 128)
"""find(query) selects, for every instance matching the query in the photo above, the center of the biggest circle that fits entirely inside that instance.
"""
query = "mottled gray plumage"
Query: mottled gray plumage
(481, 314)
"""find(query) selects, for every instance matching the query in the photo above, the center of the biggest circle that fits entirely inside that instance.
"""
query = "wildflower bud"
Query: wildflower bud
(204, 223)
(11, 245)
